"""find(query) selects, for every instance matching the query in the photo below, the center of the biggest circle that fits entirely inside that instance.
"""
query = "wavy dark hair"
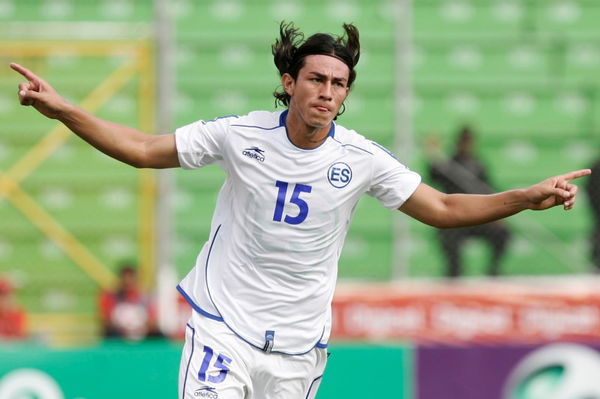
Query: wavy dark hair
(290, 50)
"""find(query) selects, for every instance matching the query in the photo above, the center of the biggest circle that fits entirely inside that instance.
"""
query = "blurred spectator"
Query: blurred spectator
(593, 191)
(127, 312)
(12, 316)
(465, 173)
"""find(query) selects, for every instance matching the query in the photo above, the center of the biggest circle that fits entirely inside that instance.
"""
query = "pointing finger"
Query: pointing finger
(575, 174)
(24, 71)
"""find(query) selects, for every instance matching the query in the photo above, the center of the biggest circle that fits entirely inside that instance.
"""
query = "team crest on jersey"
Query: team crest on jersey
(206, 392)
(255, 153)
(339, 174)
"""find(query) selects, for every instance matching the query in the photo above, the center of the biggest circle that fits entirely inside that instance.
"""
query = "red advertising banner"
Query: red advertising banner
(481, 312)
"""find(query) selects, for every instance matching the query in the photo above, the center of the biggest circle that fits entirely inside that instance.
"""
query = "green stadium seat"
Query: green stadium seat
(77, 10)
(566, 19)
(507, 111)
(367, 250)
(581, 61)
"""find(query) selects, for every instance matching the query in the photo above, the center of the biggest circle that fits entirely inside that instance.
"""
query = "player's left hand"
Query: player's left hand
(555, 191)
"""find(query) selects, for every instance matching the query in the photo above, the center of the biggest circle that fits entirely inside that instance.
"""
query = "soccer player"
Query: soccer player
(263, 283)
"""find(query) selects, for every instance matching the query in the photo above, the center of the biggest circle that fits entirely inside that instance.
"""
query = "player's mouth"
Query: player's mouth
(322, 108)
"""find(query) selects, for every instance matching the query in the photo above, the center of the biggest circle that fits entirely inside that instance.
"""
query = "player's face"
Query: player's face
(319, 90)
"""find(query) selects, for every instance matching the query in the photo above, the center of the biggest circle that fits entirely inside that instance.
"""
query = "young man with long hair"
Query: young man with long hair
(263, 283)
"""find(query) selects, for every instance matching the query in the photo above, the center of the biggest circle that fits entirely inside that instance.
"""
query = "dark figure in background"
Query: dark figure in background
(127, 312)
(464, 173)
(593, 191)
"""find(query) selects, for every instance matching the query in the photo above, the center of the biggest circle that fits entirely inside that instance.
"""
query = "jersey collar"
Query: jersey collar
(283, 117)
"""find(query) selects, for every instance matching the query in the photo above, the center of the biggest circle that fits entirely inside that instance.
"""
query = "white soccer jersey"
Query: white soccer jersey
(269, 268)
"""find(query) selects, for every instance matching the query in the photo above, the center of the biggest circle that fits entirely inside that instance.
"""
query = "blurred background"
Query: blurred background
(475, 96)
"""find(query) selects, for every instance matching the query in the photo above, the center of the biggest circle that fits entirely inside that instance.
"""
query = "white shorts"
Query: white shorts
(217, 364)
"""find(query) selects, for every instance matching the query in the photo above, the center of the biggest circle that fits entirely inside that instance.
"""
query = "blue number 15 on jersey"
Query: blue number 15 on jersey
(295, 199)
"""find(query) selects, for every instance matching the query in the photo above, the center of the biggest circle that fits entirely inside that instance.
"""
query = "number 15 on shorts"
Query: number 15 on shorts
(221, 364)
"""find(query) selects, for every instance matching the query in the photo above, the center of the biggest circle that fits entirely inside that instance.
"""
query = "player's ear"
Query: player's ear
(288, 83)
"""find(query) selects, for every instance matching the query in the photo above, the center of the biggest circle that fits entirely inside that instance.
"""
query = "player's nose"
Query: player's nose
(326, 91)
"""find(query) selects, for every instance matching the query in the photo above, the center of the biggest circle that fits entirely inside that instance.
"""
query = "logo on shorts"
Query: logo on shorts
(206, 392)
(339, 175)
(255, 153)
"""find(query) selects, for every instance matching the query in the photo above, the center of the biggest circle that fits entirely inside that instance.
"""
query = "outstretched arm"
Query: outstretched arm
(435, 208)
(120, 142)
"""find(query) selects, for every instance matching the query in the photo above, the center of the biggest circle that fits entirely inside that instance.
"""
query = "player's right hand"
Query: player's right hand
(39, 94)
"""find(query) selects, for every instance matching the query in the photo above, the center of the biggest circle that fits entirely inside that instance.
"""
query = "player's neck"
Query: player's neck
(303, 135)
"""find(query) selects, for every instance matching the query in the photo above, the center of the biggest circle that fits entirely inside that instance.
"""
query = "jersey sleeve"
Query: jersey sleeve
(392, 182)
(201, 143)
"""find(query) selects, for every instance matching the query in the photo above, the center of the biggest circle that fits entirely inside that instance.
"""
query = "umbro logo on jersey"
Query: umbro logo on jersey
(255, 152)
